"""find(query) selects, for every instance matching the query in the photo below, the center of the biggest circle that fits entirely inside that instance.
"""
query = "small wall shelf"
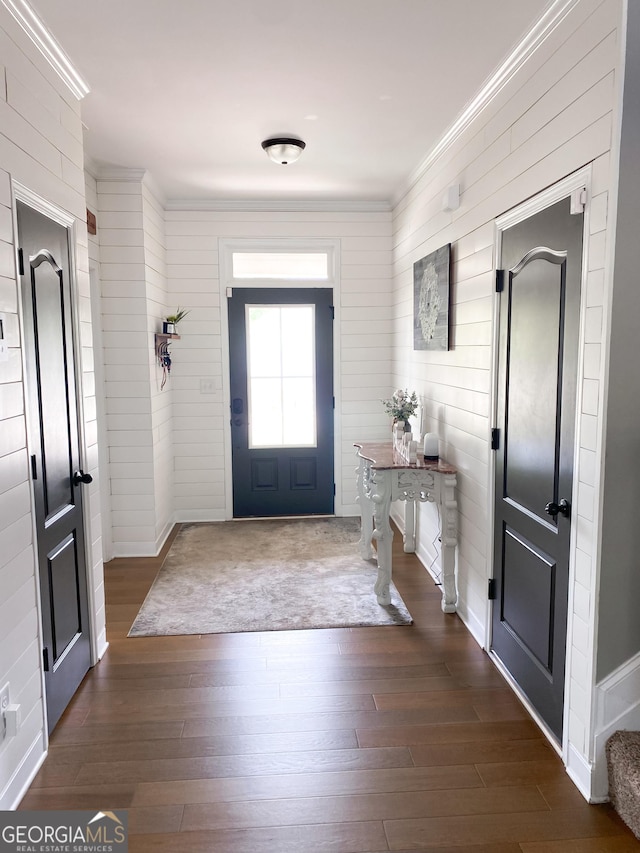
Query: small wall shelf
(163, 356)
(162, 344)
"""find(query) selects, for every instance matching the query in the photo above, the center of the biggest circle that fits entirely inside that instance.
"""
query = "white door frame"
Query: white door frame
(281, 244)
(551, 195)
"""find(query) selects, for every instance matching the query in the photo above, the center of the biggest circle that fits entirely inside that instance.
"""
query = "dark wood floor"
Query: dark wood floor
(365, 739)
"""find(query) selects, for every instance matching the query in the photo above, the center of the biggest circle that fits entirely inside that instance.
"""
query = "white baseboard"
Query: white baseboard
(162, 537)
(617, 708)
(103, 645)
(581, 773)
(205, 515)
(24, 775)
(134, 549)
(144, 549)
(473, 625)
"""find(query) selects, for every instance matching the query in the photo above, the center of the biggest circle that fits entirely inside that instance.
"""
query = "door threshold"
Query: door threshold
(537, 719)
(280, 517)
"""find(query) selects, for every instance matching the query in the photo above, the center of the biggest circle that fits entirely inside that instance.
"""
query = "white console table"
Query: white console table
(385, 476)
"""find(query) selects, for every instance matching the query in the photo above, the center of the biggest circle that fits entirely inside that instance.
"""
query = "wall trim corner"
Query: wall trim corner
(617, 707)
(24, 774)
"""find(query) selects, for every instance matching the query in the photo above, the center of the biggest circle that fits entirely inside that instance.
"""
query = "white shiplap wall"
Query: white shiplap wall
(161, 398)
(555, 115)
(133, 283)
(41, 148)
(363, 324)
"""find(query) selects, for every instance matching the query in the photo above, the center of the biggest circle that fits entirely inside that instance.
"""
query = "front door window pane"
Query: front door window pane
(281, 382)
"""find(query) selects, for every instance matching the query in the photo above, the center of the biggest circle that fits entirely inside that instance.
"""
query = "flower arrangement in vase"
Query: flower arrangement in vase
(401, 406)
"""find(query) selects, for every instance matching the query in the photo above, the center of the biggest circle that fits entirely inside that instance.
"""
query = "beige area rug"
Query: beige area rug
(278, 575)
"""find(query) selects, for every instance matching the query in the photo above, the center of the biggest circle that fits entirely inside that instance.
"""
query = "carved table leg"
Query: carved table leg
(449, 516)
(366, 512)
(409, 526)
(383, 534)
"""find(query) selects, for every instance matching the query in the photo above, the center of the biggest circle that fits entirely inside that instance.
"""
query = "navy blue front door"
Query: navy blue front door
(281, 377)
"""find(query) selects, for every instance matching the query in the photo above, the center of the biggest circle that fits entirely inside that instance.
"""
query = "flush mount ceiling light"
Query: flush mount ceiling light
(283, 149)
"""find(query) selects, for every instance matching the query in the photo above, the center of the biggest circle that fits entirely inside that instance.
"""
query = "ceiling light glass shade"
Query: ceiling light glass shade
(283, 149)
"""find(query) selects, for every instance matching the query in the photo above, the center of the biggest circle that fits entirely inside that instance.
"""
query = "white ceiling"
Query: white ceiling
(188, 89)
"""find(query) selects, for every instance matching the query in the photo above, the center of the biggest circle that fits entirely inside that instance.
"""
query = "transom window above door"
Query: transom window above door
(302, 266)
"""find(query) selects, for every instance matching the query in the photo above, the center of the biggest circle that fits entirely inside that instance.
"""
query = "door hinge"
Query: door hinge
(495, 439)
(334, 490)
(34, 468)
(333, 312)
(499, 281)
(333, 400)
(45, 659)
(491, 591)
(20, 262)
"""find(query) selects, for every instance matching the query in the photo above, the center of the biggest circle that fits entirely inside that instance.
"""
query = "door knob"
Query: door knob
(81, 477)
(554, 509)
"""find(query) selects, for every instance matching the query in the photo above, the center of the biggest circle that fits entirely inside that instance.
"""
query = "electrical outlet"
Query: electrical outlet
(4, 704)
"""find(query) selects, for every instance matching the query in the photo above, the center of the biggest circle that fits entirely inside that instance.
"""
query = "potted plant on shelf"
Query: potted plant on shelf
(170, 323)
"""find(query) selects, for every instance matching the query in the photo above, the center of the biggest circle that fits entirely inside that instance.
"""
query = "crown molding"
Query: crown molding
(118, 173)
(122, 174)
(281, 206)
(537, 35)
(48, 46)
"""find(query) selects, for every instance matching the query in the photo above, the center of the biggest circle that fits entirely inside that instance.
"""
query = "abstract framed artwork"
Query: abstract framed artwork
(431, 300)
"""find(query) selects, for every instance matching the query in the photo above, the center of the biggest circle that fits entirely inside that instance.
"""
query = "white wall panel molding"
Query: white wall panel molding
(48, 46)
(617, 707)
(531, 42)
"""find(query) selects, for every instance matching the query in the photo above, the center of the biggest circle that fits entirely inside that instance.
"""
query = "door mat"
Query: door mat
(273, 575)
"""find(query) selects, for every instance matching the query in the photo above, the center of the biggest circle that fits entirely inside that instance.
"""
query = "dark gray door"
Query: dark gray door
(281, 375)
(539, 319)
(57, 479)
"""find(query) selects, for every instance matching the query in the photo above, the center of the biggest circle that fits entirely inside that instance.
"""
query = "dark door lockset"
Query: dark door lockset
(237, 408)
(563, 508)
